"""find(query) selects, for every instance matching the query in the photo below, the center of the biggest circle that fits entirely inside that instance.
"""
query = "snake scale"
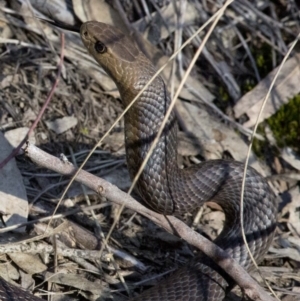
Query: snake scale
(169, 190)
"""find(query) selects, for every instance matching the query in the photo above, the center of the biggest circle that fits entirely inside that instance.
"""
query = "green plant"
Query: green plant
(285, 124)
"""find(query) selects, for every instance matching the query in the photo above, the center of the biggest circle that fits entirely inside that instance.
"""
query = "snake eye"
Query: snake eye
(100, 47)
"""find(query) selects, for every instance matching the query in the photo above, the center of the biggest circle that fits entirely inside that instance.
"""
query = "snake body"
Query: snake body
(170, 190)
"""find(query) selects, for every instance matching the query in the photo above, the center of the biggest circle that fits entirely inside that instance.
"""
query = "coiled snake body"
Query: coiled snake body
(167, 189)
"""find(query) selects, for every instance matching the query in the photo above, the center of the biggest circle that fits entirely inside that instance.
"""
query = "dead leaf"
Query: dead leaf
(61, 125)
(286, 87)
(290, 157)
(286, 252)
(204, 128)
(15, 136)
(8, 271)
(57, 9)
(293, 208)
(168, 13)
(13, 197)
(97, 10)
(77, 281)
(29, 263)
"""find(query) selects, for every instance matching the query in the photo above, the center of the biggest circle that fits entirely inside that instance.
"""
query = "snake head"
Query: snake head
(112, 49)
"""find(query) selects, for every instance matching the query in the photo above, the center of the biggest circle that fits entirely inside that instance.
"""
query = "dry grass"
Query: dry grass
(28, 73)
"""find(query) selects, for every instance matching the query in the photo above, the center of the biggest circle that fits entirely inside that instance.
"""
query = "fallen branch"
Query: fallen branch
(169, 223)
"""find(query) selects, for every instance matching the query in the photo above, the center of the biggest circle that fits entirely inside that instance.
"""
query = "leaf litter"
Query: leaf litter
(220, 80)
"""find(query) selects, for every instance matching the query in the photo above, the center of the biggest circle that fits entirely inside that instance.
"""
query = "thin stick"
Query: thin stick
(37, 120)
(249, 151)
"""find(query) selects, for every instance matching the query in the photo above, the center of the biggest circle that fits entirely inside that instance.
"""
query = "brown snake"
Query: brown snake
(169, 190)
